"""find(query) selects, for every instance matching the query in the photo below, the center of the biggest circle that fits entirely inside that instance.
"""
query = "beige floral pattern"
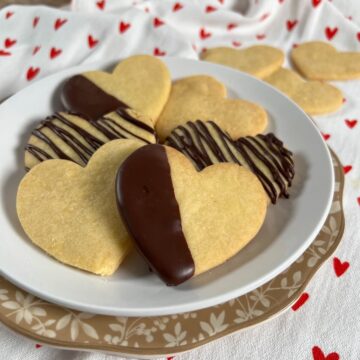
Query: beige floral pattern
(52, 324)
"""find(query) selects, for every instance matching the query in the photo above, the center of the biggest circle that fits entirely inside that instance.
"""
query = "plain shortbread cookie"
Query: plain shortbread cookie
(71, 213)
(318, 60)
(314, 97)
(203, 97)
(257, 60)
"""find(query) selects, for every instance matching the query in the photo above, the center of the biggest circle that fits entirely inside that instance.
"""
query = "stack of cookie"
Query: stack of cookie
(176, 170)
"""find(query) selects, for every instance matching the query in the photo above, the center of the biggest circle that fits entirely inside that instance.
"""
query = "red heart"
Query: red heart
(326, 136)
(101, 4)
(158, 52)
(177, 6)
(260, 36)
(54, 52)
(157, 22)
(264, 16)
(316, 3)
(35, 21)
(32, 72)
(301, 301)
(9, 42)
(204, 34)
(59, 23)
(319, 355)
(9, 14)
(4, 53)
(123, 26)
(358, 200)
(210, 9)
(291, 24)
(340, 267)
(330, 32)
(347, 168)
(36, 49)
(351, 123)
(358, 36)
(231, 26)
(92, 41)
(38, 346)
(236, 43)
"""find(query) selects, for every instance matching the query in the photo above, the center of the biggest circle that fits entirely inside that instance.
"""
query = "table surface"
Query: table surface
(332, 301)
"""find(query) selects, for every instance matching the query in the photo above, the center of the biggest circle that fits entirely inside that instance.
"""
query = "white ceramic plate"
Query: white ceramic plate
(289, 228)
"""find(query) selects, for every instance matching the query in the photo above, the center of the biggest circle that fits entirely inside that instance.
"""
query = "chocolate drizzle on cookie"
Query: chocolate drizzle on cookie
(84, 97)
(70, 136)
(205, 144)
(148, 206)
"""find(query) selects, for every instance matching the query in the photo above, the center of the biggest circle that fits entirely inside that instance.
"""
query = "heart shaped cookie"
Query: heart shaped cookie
(140, 82)
(314, 97)
(318, 60)
(205, 144)
(71, 136)
(70, 212)
(257, 60)
(203, 97)
(185, 222)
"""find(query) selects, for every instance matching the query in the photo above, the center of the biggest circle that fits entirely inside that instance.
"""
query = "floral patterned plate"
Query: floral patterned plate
(155, 336)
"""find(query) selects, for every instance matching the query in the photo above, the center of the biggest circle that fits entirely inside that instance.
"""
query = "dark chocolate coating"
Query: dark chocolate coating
(147, 204)
(84, 97)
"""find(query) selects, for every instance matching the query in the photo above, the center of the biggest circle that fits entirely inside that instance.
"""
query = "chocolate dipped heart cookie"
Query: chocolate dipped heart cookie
(71, 213)
(203, 97)
(185, 222)
(205, 144)
(140, 82)
(71, 136)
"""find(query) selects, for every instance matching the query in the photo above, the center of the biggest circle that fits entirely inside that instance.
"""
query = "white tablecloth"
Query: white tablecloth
(327, 326)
